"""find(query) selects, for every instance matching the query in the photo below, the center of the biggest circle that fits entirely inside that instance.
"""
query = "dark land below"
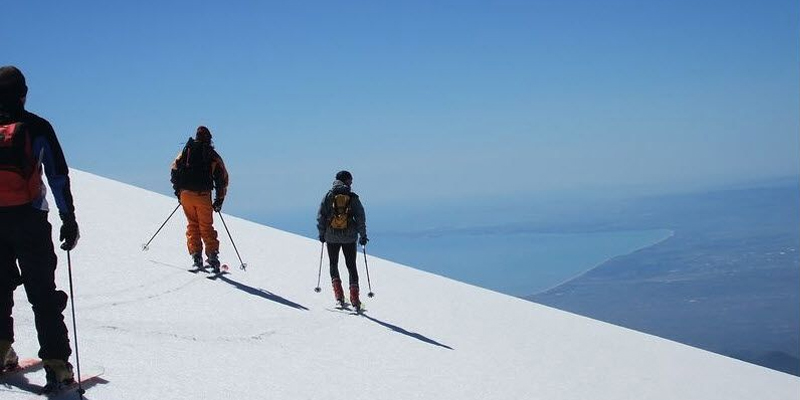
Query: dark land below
(728, 281)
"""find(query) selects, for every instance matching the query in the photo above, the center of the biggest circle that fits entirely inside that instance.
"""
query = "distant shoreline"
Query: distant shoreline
(600, 264)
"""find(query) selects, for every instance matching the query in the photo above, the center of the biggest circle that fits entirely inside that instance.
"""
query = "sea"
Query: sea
(510, 261)
(518, 264)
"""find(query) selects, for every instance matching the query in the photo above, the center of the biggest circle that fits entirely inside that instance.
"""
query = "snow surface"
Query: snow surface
(161, 332)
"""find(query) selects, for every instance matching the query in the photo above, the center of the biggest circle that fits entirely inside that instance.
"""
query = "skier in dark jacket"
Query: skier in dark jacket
(340, 221)
(28, 147)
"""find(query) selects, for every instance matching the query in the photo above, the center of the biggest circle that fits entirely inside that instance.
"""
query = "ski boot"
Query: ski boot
(59, 375)
(354, 300)
(197, 260)
(213, 261)
(338, 292)
(8, 357)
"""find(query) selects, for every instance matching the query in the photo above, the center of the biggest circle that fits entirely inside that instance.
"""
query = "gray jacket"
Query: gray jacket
(358, 220)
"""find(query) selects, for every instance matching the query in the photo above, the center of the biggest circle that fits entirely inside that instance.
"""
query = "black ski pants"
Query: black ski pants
(349, 250)
(25, 240)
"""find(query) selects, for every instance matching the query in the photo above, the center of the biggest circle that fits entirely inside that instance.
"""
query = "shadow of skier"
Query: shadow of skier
(407, 333)
(264, 294)
(20, 382)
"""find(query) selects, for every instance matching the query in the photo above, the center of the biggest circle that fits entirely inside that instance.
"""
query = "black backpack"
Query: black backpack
(194, 166)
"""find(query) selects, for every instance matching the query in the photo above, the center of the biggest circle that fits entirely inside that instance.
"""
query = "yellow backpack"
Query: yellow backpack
(341, 211)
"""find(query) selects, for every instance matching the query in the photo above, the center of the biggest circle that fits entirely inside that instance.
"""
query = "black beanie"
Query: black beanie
(12, 83)
(344, 176)
(203, 134)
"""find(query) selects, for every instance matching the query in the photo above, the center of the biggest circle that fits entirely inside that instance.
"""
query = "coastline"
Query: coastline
(600, 264)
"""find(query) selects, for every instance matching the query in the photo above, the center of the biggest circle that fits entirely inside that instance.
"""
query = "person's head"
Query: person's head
(345, 177)
(13, 90)
(203, 134)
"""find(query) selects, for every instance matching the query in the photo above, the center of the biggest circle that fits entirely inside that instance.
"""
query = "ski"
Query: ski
(24, 365)
(64, 391)
(215, 275)
(223, 270)
(197, 270)
(9, 377)
(349, 307)
(346, 308)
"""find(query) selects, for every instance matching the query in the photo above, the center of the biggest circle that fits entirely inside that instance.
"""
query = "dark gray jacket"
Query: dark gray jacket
(358, 220)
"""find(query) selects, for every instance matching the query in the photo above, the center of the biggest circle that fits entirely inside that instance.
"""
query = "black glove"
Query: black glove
(217, 205)
(69, 232)
(363, 241)
(178, 193)
(322, 238)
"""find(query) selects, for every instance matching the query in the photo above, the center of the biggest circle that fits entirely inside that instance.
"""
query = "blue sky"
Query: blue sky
(441, 99)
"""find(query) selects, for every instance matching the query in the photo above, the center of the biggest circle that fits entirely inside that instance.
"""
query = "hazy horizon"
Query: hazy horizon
(445, 100)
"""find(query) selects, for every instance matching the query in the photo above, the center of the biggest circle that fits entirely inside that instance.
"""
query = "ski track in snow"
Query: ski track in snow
(192, 338)
(183, 284)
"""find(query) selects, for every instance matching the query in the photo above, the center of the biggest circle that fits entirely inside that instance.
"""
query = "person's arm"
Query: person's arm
(174, 177)
(45, 145)
(323, 217)
(360, 217)
(219, 175)
(47, 148)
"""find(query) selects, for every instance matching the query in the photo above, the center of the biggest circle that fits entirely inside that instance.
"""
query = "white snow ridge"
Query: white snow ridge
(161, 332)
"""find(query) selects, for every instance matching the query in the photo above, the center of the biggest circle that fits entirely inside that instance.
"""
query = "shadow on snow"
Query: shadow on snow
(264, 294)
(15, 382)
(407, 333)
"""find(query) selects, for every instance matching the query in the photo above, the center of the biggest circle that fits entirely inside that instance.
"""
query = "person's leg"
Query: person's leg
(350, 252)
(333, 258)
(9, 280)
(336, 281)
(193, 239)
(37, 262)
(205, 222)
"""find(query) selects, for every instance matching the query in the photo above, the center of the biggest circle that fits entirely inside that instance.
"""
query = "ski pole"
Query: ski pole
(319, 275)
(242, 265)
(369, 284)
(81, 391)
(146, 246)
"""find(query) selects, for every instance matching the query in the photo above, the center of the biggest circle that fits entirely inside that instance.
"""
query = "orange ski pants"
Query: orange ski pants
(200, 217)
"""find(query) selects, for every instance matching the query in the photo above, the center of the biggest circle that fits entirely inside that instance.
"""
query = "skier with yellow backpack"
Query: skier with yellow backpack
(341, 222)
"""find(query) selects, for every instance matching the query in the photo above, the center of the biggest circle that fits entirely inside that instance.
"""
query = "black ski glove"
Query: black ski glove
(363, 241)
(69, 232)
(217, 205)
(322, 238)
(178, 193)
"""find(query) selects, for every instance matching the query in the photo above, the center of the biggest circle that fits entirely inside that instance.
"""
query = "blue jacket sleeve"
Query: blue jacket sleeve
(46, 147)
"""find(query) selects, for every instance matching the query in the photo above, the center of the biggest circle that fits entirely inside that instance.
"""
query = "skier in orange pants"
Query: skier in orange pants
(197, 171)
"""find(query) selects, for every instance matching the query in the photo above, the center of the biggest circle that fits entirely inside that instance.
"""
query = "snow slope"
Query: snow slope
(163, 333)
